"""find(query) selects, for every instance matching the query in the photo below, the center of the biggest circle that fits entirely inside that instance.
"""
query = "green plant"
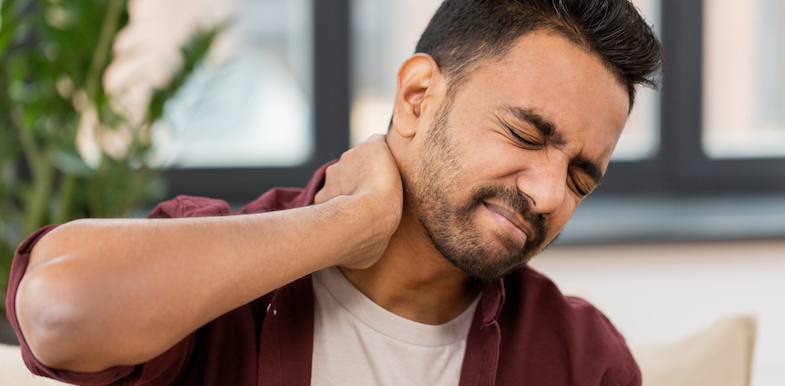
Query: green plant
(53, 55)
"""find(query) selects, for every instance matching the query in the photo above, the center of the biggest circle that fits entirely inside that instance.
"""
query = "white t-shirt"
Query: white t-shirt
(357, 342)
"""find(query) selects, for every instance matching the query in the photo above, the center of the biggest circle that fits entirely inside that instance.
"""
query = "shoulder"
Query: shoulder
(189, 206)
(273, 199)
(567, 333)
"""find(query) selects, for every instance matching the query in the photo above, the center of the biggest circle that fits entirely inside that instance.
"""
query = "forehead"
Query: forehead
(560, 81)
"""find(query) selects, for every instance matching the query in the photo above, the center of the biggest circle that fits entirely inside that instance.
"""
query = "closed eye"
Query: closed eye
(518, 136)
(577, 182)
(577, 187)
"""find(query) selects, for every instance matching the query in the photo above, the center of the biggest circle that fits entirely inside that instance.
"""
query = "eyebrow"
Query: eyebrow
(548, 130)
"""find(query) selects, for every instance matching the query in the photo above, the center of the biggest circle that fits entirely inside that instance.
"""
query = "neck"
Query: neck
(413, 280)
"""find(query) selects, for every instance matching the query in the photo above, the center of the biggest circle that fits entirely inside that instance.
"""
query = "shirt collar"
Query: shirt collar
(492, 301)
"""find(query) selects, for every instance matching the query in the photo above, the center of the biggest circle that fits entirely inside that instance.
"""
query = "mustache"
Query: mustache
(517, 202)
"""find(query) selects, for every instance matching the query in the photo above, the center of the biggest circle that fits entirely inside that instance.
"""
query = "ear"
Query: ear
(421, 87)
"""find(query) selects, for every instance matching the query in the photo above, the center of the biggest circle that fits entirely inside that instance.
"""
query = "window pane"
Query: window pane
(255, 108)
(744, 79)
(385, 33)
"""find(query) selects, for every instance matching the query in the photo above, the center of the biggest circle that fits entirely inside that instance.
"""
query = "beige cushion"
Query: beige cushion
(718, 355)
(14, 372)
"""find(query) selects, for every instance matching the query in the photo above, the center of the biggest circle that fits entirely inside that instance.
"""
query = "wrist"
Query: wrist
(361, 228)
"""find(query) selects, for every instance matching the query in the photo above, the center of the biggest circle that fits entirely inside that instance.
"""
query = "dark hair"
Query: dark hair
(464, 32)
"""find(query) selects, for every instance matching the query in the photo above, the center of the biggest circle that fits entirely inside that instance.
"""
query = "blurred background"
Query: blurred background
(688, 226)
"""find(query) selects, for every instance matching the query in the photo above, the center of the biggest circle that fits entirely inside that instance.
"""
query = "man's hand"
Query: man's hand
(369, 175)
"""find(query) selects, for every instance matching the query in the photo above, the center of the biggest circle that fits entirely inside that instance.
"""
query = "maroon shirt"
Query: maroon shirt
(524, 332)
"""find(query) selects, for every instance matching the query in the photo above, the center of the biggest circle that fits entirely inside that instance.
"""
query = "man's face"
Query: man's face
(506, 162)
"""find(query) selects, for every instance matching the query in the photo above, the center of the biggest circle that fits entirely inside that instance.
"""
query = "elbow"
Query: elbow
(52, 323)
(56, 305)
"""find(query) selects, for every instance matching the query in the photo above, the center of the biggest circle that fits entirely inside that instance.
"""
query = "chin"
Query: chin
(490, 262)
(487, 274)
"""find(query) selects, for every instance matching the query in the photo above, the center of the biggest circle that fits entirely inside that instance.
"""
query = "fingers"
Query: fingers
(329, 190)
(368, 175)
(358, 169)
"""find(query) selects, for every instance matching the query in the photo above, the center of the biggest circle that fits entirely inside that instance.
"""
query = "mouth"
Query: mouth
(509, 220)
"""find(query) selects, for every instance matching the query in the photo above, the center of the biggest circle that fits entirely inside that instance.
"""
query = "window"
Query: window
(699, 145)
(274, 113)
(254, 109)
(744, 79)
(685, 191)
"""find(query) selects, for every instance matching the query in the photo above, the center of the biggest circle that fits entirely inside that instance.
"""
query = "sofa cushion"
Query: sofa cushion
(718, 355)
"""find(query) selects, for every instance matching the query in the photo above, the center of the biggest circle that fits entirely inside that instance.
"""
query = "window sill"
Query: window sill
(691, 218)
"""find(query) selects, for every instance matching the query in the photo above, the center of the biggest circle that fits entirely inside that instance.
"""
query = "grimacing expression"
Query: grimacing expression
(450, 227)
(508, 158)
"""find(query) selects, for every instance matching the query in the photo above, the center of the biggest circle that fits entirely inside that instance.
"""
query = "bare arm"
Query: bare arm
(101, 293)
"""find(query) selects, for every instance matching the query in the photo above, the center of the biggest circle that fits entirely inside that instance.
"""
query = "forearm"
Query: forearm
(123, 291)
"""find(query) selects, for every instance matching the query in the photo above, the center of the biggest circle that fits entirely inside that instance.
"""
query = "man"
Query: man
(503, 122)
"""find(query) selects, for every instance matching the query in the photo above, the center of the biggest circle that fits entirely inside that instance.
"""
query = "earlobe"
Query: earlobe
(418, 81)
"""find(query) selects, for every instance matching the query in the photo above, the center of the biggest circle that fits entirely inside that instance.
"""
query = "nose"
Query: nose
(545, 185)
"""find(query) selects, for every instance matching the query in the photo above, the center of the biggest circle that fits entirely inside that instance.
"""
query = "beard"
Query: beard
(483, 255)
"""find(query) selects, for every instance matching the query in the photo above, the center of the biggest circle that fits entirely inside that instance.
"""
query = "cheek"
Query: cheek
(491, 156)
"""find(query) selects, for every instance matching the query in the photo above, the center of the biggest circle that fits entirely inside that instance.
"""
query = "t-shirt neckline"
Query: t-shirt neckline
(385, 322)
